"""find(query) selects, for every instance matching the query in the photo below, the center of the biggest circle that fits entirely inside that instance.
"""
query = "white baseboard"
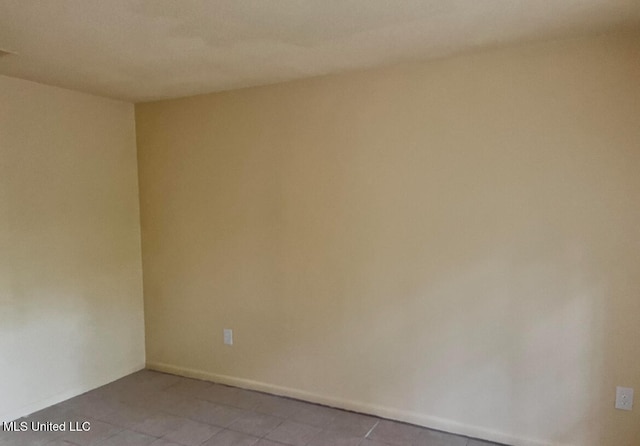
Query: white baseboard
(355, 406)
(65, 395)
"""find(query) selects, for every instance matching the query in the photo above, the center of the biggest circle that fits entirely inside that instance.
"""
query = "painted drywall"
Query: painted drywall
(454, 243)
(157, 49)
(71, 309)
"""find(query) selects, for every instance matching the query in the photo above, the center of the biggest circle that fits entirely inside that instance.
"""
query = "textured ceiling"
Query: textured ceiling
(151, 49)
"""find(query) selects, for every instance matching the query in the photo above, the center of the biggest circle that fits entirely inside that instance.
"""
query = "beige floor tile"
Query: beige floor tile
(159, 424)
(393, 433)
(231, 438)
(353, 424)
(128, 438)
(98, 432)
(326, 438)
(256, 424)
(152, 408)
(292, 433)
(192, 433)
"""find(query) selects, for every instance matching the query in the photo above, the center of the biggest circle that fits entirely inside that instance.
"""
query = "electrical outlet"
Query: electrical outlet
(624, 398)
(228, 336)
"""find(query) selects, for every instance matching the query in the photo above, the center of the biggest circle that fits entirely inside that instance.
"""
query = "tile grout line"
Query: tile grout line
(371, 430)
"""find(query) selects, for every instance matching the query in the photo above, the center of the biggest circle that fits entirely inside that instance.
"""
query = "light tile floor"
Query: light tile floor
(157, 409)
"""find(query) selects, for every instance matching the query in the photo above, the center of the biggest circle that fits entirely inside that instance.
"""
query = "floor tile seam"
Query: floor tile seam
(199, 444)
(259, 437)
(197, 420)
(145, 433)
(224, 404)
(101, 441)
(372, 428)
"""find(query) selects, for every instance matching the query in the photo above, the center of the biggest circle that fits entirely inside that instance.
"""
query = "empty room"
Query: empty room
(319, 222)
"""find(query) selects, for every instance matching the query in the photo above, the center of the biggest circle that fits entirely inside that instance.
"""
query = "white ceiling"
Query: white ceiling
(151, 49)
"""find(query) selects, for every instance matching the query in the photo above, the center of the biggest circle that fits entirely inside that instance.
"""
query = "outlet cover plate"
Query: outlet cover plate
(228, 336)
(624, 398)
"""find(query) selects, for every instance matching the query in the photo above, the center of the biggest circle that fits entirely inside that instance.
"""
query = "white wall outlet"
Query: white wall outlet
(228, 336)
(624, 398)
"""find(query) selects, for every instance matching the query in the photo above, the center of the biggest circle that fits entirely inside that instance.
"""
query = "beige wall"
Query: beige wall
(455, 243)
(70, 266)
